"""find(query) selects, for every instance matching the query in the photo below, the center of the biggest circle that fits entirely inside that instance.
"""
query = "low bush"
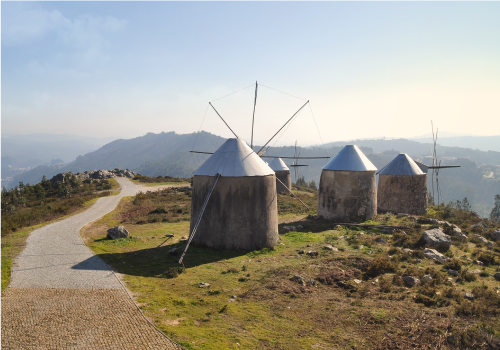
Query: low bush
(379, 267)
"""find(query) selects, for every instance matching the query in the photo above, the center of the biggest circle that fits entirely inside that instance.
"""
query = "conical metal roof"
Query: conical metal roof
(277, 164)
(350, 158)
(401, 165)
(422, 166)
(234, 159)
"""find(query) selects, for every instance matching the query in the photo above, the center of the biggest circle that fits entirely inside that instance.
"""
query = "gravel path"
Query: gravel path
(62, 296)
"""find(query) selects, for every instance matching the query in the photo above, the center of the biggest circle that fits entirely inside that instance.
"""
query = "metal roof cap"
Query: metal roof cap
(234, 159)
(350, 158)
(401, 165)
(277, 164)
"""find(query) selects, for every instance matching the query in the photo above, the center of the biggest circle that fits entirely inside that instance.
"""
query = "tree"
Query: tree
(466, 205)
(301, 181)
(312, 184)
(495, 212)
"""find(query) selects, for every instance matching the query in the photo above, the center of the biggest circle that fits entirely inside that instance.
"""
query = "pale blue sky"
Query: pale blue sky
(369, 69)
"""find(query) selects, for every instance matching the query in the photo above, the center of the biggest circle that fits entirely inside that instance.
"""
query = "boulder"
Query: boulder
(481, 238)
(427, 278)
(436, 238)
(427, 221)
(410, 281)
(469, 296)
(496, 235)
(203, 285)
(435, 255)
(117, 232)
(453, 273)
(474, 214)
(479, 226)
(312, 253)
(497, 276)
(329, 247)
(457, 232)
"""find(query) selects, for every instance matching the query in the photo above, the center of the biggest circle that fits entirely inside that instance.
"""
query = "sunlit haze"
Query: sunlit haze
(122, 69)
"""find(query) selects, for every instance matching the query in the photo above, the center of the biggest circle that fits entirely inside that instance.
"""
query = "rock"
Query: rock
(476, 215)
(203, 285)
(361, 246)
(407, 250)
(477, 262)
(427, 221)
(402, 215)
(491, 244)
(469, 296)
(381, 240)
(312, 282)
(453, 273)
(361, 233)
(475, 272)
(173, 251)
(302, 251)
(457, 232)
(418, 261)
(357, 281)
(233, 296)
(341, 237)
(497, 276)
(435, 255)
(117, 232)
(481, 238)
(346, 285)
(427, 278)
(168, 235)
(436, 238)
(231, 300)
(450, 279)
(312, 253)
(496, 235)
(329, 247)
(479, 226)
(410, 281)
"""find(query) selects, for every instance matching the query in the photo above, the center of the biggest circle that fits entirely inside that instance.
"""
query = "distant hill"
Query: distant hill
(482, 143)
(418, 149)
(168, 154)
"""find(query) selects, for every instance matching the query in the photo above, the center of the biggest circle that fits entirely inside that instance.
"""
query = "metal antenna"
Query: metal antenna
(223, 119)
(253, 117)
(282, 127)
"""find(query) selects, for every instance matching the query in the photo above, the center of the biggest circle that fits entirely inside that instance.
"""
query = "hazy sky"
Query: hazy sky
(369, 69)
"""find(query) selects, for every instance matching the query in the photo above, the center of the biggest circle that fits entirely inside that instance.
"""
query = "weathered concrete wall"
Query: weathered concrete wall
(242, 212)
(284, 176)
(347, 195)
(402, 194)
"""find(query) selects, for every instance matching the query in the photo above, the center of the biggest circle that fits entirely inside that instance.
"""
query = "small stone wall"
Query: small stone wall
(402, 194)
(347, 195)
(284, 176)
(242, 212)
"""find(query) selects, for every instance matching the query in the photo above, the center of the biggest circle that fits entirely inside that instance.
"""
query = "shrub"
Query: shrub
(380, 266)
(173, 272)
(453, 264)
(487, 258)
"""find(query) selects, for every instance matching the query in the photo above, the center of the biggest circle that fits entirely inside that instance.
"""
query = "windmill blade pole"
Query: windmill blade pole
(200, 215)
(223, 119)
(293, 194)
(282, 127)
(253, 117)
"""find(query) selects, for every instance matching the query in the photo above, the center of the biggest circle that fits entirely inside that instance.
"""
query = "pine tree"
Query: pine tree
(495, 212)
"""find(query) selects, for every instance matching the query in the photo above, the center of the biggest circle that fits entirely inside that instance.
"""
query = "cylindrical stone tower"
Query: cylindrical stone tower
(283, 173)
(402, 187)
(242, 212)
(348, 187)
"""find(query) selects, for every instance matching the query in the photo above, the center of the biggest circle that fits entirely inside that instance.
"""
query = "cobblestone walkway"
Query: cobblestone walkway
(62, 296)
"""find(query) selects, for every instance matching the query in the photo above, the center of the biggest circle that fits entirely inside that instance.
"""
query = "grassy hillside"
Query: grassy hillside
(349, 297)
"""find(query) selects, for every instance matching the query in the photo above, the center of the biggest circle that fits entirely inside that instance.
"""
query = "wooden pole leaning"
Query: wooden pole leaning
(200, 215)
